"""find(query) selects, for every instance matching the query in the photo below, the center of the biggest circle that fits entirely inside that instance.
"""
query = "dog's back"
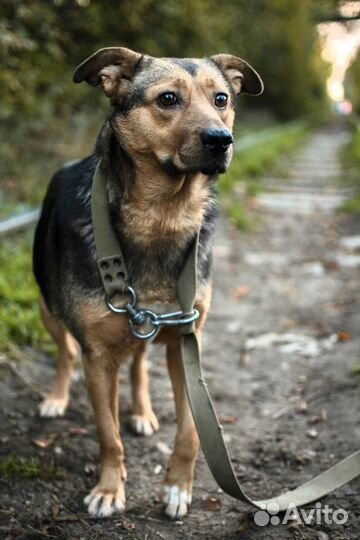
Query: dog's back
(63, 236)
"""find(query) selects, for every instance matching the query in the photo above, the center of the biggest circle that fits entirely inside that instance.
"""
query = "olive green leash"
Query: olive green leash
(145, 324)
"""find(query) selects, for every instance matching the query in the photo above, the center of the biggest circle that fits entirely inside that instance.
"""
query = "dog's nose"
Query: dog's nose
(215, 139)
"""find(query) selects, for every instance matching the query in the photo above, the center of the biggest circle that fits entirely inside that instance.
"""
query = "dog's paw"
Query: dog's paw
(144, 424)
(101, 503)
(52, 407)
(177, 501)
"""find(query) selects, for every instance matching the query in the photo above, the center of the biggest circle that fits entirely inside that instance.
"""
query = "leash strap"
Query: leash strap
(110, 260)
(211, 432)
(115, 279)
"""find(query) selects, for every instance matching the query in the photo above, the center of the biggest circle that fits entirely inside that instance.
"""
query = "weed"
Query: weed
(16, 467)
(19, 296)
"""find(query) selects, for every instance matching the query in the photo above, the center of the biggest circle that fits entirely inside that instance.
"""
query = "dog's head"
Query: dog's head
(178, 111)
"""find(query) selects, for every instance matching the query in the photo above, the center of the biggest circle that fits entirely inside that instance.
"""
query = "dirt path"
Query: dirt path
(282, 358)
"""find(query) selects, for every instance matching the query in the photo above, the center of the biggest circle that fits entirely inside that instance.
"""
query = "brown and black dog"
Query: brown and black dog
(168, 136)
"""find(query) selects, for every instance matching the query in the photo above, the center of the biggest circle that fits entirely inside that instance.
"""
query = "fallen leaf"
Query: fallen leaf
(228, 419)
(241, 291)
(245, 358)
(212, 503)
(47, 441)
(78, 431)
(302, 407)
(322, 417)
(126, 524)
(305, 456)
(344, 336)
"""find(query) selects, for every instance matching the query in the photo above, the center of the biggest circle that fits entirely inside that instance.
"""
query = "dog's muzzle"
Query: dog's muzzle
(216, 140)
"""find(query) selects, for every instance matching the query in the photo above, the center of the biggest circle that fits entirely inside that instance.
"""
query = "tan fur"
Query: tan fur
(56, 401)
(162, 215)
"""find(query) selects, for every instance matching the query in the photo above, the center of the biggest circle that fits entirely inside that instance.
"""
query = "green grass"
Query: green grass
(19, 312)
(20, 468)
(351, 161)
(261, 154)
(254, 155)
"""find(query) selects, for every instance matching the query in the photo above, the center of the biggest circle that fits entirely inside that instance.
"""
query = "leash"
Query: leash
(115, 280)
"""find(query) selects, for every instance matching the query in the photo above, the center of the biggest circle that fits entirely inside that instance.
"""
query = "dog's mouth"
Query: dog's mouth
(212, 168)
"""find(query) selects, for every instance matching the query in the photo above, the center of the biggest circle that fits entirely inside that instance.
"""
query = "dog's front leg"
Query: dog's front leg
(179, 478)
(102, 381)
(143, 420)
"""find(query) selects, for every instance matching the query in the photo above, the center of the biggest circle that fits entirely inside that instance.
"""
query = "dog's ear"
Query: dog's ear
(242, 77)
(112, 67)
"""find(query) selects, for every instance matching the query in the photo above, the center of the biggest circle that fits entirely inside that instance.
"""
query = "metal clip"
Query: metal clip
(141, 317)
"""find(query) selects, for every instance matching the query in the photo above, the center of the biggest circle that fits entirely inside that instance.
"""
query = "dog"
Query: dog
(167, 138)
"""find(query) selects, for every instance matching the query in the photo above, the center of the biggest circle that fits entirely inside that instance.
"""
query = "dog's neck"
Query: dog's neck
(160, 206)
(149, 204)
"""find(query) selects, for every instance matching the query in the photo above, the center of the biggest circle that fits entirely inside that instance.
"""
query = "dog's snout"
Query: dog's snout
(216, 139)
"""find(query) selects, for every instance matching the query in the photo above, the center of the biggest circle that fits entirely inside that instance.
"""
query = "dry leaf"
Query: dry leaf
(47, 441)
(344, 336)
(78, 431)
(126, 524)
(228, 419)
(302, 407)
(241, 291)
(212, 503)
(245, 358)
(322, 417)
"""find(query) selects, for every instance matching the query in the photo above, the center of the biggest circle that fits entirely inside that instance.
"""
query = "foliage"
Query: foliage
(41, 41)
(351, 159)
(19, 296)
(281, 41)
(27, 162)
(352, 82)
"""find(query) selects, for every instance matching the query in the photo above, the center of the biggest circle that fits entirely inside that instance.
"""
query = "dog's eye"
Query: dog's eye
(221, 100)
(168, 99)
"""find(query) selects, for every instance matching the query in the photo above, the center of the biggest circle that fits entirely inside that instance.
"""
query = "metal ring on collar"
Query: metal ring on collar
(150, 318)
(122, 310)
